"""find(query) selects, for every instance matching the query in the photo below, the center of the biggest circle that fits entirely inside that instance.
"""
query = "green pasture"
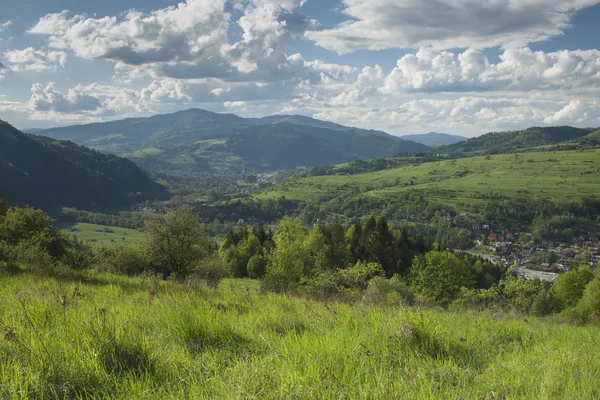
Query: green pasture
(553, 175)
(102, 235)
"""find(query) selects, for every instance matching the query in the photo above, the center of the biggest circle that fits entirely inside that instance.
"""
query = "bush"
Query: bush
(123, 260)
(323, 283)
(257, 266)
(392, 290)
(569, 287)
(588, 307)
(358, 276)
(212, 270)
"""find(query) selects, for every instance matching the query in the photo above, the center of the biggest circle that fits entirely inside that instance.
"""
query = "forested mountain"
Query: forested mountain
(197, 140)
(506, 142)
(434, 139)
(50, 174)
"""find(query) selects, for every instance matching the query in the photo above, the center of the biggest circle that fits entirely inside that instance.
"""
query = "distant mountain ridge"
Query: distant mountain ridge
(51, 174)
(192, 141)
(435, 139)
(509, 141)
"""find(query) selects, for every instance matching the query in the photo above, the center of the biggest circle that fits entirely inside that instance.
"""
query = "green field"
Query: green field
(151, 151)
(101, 336)
(101, 235)
(553, 175)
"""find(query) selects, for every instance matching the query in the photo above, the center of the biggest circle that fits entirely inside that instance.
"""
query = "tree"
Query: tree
(287, 261)
(589, 305)
(29, 226)
(175, 242)
(568, 288)
(439, 276)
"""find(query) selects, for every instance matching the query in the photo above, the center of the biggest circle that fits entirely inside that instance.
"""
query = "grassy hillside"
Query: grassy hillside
(555, 175)
(506, 142)
(51, 174)
(102, 235)
(109, 337)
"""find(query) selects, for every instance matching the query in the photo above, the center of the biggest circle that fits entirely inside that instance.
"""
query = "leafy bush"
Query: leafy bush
(588, 307)
(439, 276)
(257, 266)
(323, 283)
(569, 287)
(123, 260)
(358, 276)
(212, 270)
(390, 290)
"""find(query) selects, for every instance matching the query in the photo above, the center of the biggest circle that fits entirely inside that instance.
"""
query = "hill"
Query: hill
(511, 141)
(499, 189)
(192, 142)
(434, 139)
(50, 174)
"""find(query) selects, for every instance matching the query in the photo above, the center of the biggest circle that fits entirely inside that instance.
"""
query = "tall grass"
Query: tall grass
(102, 336)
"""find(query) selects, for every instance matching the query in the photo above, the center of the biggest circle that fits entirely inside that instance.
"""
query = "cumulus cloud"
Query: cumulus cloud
(576, 111)
(519, 69)
(445, 24)
(190, 41)
(47, 98)
(465, 114)
(30, 59)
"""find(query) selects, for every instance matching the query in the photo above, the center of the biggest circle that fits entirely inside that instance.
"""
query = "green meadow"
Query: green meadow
(552, 175)
(100, 336)
(102, 235)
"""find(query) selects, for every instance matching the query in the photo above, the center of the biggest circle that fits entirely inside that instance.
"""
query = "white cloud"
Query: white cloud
(576, 111)
(445, 24)
(190, 41)
(45, 99)
(467, 115)
(30, 59)
(520, 69)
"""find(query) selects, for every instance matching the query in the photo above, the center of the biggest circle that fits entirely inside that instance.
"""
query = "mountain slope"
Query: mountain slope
(51, 174)
(506, 142)
(434, 139)
(198, 142)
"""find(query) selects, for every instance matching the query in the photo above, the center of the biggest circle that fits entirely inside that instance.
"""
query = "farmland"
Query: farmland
(545, 175)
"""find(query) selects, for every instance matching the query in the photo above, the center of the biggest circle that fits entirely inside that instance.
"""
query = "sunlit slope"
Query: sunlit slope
(555, 175)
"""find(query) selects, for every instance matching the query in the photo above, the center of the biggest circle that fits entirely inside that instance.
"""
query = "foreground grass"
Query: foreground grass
(100, 336)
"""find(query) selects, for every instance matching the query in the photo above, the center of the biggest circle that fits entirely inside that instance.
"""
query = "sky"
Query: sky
(463, 67)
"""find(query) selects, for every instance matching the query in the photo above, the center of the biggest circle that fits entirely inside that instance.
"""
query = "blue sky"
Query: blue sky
(404, 66)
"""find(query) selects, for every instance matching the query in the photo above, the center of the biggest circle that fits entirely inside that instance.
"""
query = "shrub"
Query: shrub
(439, 276)
(123, 260)
(257, 266)
(569, 287)
(323, 283)
(358, 276)
(389, 290)
(212, 270)
(588, 307)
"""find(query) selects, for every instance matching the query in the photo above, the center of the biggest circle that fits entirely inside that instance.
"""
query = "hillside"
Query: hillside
(195, 142)
(124, 338)
(507, 142)
(51, 174)
(434, 139)
(498, 188)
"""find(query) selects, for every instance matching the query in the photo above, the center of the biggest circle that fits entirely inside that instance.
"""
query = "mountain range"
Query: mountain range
(51, 174)
(194, 141)
(435, 139)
